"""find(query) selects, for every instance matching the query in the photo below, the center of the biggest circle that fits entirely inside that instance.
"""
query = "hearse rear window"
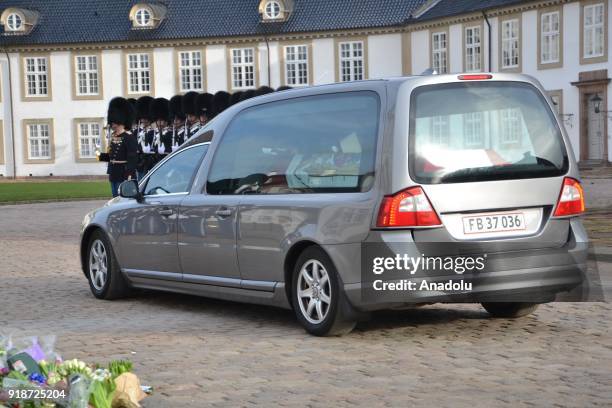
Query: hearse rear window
(315, 144)
(480, 131)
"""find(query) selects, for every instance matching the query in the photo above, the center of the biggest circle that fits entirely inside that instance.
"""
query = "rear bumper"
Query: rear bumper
(538, 285)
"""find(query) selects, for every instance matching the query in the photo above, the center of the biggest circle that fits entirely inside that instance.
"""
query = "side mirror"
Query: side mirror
(129, 189)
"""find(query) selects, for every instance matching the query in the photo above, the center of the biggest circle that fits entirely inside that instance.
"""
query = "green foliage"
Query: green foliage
(119, 367)
(102, 393)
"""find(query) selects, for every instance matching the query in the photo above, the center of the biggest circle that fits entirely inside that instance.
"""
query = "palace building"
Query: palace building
(61, 61)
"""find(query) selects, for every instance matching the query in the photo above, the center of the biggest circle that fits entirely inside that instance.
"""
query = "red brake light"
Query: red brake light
(571, 199)
(475, 77)
(408, 208)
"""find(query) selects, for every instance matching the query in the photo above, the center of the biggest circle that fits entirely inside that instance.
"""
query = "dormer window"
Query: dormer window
(17, 21)
(273, 11)
(146, 16)
(14, 22)
(143, 18)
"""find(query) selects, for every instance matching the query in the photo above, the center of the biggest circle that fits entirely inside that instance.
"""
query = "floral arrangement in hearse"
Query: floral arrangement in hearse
(33, 375)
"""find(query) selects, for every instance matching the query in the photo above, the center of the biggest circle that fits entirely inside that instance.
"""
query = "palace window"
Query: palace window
(594, 30)
(36, 76)
(296, 65)
(39, 141)
(87, 75)
(139, 73)
(273, 10)
(243, 68)
(89, 139)
(550, 37)
(190, 71)
(510, 43)
(439, 52)
(511, 126)
(473, 49)
(14, 22)
(352, 63)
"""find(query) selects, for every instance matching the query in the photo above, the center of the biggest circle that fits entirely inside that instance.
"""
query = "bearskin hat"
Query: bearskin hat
(120, 111)
(235, 98)
(176, 107)
(263, 90)
(283, 88)
(189, 103)
(133, 102)
(247, 95)
(220, 102)
(160, 109)
(204, 104)
(142, 107)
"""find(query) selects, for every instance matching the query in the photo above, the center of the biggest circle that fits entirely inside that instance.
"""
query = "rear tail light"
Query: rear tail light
(408, 208)
(571, 199)
(475, 77)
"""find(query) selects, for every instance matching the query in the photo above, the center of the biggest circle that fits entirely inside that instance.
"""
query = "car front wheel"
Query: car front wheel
(318, 301)
(103, 272)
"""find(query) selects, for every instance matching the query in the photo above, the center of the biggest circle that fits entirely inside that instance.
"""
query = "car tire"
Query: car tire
(509, 309)
(318, 300)
(106, 280)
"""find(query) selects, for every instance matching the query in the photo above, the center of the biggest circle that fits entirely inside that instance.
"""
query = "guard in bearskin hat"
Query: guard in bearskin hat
(190, 108)
(160, 115)
(122, 152)
(248, 94)
(204, 106)
(283, 88)
(235, 98)
(133, 102)
(145, 136)
(220, 102)
(263, 90)
(177, 116)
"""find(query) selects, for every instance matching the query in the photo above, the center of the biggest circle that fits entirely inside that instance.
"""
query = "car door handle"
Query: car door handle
(223, 212)
(166, 212)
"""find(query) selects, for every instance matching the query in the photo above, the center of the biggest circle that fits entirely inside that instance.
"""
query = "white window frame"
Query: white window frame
(138, 17)
(191, 72)
(87, 78)
(590, 31)
(550, 38)
(440, 129)
(243, 69)
(439, 52)
(12, 19)
(351, 64)
(39, 141)
(139, 73)
(91, 139)
(36, 71)
(273, 10)
(510, 45)
(296, 65)
(473, 49)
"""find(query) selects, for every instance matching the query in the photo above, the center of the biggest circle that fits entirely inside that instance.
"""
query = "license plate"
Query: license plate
(487, 223)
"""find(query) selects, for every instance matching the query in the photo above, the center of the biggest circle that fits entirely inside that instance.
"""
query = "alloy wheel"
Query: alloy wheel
(314, 291)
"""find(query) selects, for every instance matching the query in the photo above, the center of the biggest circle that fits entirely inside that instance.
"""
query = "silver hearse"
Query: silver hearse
(273, 201)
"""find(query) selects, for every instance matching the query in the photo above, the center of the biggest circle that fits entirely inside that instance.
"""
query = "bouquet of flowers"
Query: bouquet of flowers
(32, 375)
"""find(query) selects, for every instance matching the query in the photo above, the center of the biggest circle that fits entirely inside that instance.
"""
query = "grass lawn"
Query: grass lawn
(33, 191)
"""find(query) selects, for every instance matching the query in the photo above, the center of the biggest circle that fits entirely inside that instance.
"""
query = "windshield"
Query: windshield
(483, 131)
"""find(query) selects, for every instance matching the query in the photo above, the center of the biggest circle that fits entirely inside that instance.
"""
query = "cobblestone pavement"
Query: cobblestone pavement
(200, 352)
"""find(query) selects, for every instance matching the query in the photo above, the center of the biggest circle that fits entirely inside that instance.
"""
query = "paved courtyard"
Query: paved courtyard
(199, 352)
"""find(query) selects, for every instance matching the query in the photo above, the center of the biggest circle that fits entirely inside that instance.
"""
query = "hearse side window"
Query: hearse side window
(481, 132)
(176, 174)
(315, 144)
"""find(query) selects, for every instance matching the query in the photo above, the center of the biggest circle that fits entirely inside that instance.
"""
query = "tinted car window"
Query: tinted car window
(176, 173)
(324, 143)
(483, 131)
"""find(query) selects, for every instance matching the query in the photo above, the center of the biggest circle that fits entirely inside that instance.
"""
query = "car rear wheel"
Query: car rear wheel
(103, 272)
(509, 309)
(318, 300)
